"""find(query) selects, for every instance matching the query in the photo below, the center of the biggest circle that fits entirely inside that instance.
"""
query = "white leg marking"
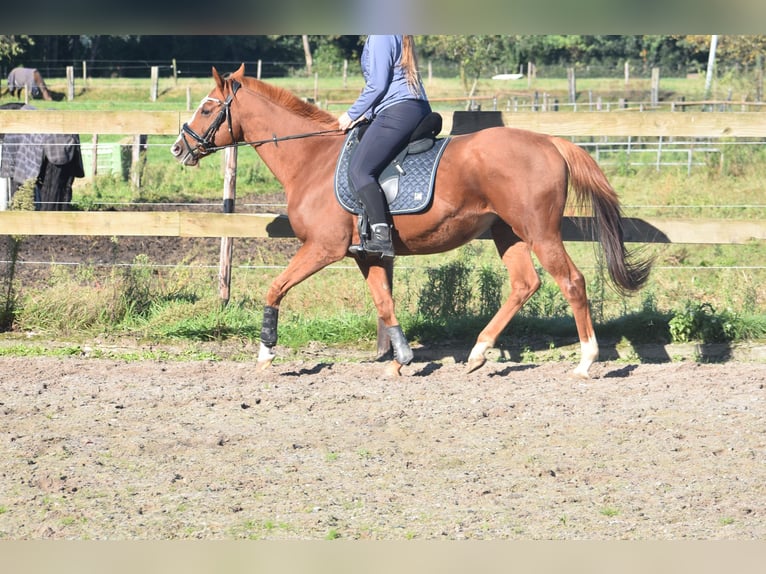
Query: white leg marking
(589, 352)
(477, 353)
(266, 354)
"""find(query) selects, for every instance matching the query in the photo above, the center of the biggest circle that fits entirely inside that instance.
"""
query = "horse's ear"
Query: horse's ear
(241, 71)
(218, 79)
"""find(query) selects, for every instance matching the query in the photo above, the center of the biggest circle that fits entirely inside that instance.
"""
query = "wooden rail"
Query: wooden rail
(682, 124)
(91, 122)
(616, 123)
(197, 224)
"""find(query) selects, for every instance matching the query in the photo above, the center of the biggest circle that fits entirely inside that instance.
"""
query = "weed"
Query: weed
(364, 453)
(447, 292)
(528, 355)
(547, 301)
(699, 321)
(490, 290)
(9, 301)
(136, 296)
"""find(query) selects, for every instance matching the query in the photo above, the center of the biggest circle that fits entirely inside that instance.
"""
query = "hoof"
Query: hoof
(265, 357)
(264, 365)
(581, 373)
(394, 369)
(474, 364)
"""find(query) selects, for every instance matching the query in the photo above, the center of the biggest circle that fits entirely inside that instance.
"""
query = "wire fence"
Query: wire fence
(196, 68)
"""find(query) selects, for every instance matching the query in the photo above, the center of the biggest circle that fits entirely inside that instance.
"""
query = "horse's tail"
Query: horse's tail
(591, 186)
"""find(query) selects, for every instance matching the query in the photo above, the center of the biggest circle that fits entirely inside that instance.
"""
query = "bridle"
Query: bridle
(205, 141)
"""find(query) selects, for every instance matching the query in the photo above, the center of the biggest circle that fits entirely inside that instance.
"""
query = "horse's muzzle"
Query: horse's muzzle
(184, 153)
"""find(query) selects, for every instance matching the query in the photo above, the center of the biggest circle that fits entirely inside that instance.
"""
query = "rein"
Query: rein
(276, 139)
(204, 141)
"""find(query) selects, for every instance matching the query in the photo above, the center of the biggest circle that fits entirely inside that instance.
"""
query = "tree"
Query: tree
(13, 46)
(474, 54)
(307, 52)
(731, 50)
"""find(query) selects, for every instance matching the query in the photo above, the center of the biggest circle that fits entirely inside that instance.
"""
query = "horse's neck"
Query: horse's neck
(290, 160)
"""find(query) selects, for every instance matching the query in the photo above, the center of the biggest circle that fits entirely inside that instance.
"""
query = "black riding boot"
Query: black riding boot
(379, 244)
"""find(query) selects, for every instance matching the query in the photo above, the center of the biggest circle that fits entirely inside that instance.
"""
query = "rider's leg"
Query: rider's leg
(387, 134)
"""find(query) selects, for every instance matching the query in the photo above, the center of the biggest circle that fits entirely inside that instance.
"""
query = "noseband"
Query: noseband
(205, 141)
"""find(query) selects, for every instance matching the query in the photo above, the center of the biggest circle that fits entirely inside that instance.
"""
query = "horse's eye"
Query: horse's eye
(206, 111)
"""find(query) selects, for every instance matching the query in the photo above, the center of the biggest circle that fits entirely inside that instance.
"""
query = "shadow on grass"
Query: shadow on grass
(642, 336)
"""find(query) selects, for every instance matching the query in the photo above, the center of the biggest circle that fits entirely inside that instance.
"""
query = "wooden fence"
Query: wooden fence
(615, 123)
(168, 123)
(229, 225)
(567, 124)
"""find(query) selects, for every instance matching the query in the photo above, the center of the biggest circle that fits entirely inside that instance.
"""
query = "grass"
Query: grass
(440, 298)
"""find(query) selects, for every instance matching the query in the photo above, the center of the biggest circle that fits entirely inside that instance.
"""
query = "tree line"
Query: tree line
(472, 55)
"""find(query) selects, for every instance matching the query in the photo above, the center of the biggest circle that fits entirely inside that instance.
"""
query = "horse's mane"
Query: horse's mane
(289, 101)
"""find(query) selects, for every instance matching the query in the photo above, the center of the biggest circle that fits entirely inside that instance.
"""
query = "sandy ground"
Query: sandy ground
(104, 449)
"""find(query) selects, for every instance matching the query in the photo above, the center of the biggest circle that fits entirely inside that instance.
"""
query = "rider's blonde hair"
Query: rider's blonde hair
(409, 64)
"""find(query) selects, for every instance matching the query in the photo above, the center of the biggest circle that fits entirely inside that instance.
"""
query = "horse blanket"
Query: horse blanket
(28, 78)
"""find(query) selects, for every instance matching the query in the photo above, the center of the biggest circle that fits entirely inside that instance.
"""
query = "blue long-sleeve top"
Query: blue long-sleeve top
(385, 81)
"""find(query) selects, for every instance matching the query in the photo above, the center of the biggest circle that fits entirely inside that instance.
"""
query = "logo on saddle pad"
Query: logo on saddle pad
(407, 182)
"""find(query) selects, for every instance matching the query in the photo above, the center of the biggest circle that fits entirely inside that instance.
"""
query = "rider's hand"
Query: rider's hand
(345, 122)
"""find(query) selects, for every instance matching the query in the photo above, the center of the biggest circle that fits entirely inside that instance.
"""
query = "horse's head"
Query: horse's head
(202, 134)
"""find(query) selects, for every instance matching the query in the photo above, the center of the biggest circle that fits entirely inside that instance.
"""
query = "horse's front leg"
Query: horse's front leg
(378, 277)
(309, 259)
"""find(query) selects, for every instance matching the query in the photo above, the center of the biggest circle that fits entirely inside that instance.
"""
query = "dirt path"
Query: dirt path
(106, 449)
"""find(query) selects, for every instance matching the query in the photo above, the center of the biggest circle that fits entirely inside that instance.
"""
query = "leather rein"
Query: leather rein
(205, 141)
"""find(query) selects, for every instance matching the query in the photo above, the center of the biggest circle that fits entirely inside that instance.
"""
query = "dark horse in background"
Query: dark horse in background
(508, 182)
(29, 78)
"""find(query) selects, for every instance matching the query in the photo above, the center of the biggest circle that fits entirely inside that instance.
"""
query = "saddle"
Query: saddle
(407, 181)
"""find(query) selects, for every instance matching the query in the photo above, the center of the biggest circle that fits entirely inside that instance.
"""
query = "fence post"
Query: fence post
(345, 73)
(94, 155)
(155, 83)
(227, 243)
(655, 96)
(260, 66)
(137, 160)
(572, 85)
(70, 82)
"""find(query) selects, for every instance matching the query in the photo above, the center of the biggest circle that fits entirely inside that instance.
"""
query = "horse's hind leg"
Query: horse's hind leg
(378, 280)
(524, 282)
(554, 258)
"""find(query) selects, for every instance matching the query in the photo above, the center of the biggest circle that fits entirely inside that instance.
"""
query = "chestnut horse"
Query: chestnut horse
(512, 183)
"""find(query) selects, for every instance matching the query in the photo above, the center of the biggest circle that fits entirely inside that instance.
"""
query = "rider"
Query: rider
(394, 102)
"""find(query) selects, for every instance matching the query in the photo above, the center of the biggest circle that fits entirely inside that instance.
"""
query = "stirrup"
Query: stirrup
(363, 250)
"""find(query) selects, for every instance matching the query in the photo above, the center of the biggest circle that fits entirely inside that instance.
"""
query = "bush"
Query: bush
(699, 321)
